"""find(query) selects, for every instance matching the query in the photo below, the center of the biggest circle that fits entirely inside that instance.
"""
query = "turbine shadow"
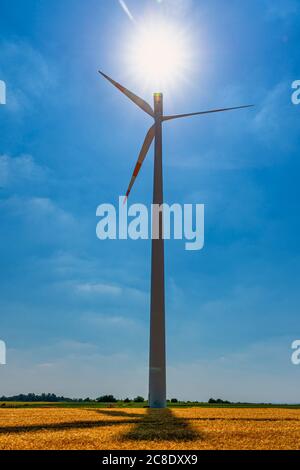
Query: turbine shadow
(157, 425)
(153, 425)
(63, 426)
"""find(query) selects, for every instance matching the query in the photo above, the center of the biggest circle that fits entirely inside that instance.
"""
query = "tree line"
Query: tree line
(52, 398)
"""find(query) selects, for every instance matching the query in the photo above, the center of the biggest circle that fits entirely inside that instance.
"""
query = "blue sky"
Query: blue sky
(75, 310)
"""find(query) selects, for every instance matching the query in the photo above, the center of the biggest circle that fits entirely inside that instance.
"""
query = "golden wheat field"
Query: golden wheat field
(180, 429)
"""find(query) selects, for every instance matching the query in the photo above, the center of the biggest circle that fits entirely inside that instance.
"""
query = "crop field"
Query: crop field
(128, 428)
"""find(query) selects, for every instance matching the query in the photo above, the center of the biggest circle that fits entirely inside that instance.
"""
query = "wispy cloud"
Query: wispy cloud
(27, 72)
(276, 118)
(101, 289)
(40, 220)
(260, 372)
(37, 208)
(15, 170)
(107, 320)
(106, 289)
(56, 366)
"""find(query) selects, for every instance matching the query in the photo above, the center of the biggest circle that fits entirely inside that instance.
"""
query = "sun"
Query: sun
(158, 54)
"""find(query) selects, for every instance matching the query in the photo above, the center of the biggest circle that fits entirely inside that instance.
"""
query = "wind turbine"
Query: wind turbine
(157, 365)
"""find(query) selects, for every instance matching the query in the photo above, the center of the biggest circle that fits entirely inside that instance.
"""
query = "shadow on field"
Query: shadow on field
(62, 426)
(158, 425)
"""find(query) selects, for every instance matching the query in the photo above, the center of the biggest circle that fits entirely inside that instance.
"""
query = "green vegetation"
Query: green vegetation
(218, 401)
(139, 399)
(51, 400)
(32, 397)
(107, 399)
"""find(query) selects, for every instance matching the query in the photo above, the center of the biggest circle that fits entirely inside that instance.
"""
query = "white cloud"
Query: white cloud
(275, 123)
(21, 169)
(88, 289)
(64, 264)
(108, 320)
(98, 288)
(262, 372)
(41, 220)
(37, 209)
(27, 74)
(57, 367)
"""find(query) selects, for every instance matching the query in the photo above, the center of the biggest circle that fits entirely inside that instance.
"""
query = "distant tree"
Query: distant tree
(174, 400)
(31, 397)
(87, 400)
(107, 399)
(219, 401)
(139, 399)
(127, 400)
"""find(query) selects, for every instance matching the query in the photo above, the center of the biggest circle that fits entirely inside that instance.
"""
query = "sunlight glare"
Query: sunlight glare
(158, 55)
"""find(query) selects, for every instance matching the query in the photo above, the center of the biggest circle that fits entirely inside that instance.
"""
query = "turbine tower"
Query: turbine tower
(157, 356)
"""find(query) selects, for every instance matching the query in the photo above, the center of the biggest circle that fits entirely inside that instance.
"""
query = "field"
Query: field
(140, 428)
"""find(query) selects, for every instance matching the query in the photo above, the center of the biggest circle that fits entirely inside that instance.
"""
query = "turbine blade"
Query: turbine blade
(178, 116)
(143, 153)
(136, 99)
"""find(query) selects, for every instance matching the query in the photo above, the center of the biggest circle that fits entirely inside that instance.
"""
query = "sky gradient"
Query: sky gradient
(74, 311)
